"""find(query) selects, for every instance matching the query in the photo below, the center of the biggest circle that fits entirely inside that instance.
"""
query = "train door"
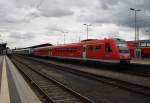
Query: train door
(138, 53)
(84, 52)
(132, 53)
(100, 51)
(108, 51)
(49, 52)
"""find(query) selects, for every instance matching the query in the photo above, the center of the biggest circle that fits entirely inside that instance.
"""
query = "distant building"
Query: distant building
(2, 47)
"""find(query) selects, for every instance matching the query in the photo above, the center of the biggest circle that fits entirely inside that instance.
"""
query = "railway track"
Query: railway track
(133, 69)
(122, 84)
(54, 91)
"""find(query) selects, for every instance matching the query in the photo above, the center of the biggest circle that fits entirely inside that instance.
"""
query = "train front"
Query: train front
(123, 51)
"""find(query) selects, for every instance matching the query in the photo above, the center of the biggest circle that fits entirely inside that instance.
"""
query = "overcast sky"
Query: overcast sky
(30, 22)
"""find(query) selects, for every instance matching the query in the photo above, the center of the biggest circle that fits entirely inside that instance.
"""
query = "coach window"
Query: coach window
(143, 43)
(73, 49)
(91, 49)
(148, 43)
(65, 50)
(108, 48)
(70, 49)
(84, 49)
(97, 48)
(76, 49)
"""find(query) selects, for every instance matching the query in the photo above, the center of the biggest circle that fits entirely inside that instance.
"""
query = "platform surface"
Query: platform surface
(4, 97)
(141, 61)
(1, 61)
(14, 88)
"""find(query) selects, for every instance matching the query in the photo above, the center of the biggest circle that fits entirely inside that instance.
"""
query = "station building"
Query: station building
(2, 47)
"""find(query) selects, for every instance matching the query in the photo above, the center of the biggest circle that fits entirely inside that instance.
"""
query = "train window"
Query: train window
(84, 49)
(91, 49)
(97, 48)
(143, 43)
(108, 48)
(66, 49)
(70, 49)
(75, 49)
(148, 43)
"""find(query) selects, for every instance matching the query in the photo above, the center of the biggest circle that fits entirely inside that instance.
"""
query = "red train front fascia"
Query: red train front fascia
(106, 50)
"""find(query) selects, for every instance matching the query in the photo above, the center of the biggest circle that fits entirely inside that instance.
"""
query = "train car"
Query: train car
(23, 51)
(132, 48)
(106, 50)
(42, 51)
(139, 49)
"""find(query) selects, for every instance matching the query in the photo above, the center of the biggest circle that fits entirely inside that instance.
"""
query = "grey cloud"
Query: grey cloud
(20, 35)
(53, 8)
(55, 12)
(95, 11)
(118, 12)
(55, 30)
(24, 11)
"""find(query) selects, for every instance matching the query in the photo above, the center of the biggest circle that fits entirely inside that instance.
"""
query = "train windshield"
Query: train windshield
(122, 46)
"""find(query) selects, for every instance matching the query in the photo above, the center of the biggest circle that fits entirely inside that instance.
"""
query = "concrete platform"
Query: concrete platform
(1, 61)
(141, 61)
(14, 88)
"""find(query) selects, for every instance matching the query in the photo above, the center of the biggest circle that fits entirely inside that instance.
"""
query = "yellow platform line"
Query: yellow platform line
(4, 95)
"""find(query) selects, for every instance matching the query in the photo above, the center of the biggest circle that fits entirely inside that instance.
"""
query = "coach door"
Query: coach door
(84, 52)
(49, 52)
(138, 53)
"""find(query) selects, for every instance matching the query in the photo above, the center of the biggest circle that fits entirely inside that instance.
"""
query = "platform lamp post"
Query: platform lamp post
(87, 28)
(135, 11)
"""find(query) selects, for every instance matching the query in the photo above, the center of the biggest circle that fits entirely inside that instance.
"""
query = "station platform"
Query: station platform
(141, 61)
(13, 87)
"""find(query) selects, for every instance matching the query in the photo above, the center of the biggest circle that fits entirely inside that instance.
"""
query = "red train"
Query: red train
(106, 50)
(139, 49)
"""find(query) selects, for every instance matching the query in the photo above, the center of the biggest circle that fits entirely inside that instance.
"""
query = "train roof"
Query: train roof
(147, 40)
(89, 41)
(35, 46)
(41, 45)
(140, 43)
